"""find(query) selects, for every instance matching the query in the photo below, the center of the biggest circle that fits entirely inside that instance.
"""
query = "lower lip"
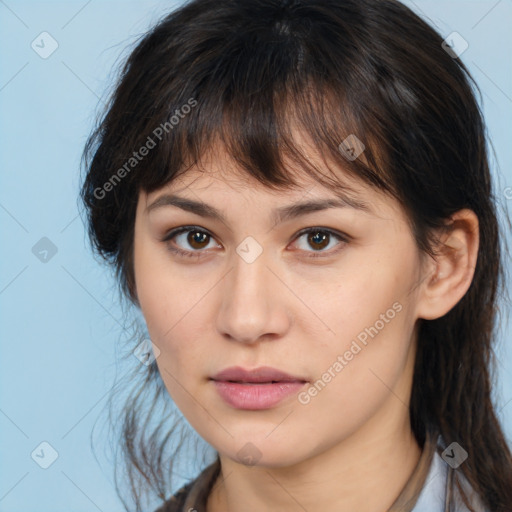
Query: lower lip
(256, 396)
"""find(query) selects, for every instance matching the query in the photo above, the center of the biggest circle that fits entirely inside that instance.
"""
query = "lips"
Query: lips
(261, 375)
(261, 388)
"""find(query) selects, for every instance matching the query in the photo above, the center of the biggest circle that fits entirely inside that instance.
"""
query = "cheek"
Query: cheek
(172, 308)
(362, 297)
(169, 317)
(172, 325)
(354, 378)
(370, 315)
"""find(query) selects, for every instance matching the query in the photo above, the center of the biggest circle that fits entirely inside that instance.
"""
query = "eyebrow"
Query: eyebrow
(279, 214)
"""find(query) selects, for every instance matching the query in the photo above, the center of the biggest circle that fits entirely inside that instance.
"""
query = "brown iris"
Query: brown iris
(197, 237)
(316, 238)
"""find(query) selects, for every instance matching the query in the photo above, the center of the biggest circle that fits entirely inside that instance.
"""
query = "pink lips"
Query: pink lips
(256, 389)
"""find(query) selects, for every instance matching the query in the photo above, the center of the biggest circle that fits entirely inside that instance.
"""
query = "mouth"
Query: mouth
(261, 388)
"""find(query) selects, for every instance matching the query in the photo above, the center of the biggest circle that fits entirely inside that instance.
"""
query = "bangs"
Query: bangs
(265, 97)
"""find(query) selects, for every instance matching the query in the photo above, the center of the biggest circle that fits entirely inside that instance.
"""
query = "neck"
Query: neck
(364, 472)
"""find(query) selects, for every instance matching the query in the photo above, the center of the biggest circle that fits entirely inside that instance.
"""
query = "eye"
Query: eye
(319, 238)
(193, 236)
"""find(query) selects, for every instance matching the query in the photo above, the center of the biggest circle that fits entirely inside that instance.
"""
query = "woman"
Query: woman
(296, 195)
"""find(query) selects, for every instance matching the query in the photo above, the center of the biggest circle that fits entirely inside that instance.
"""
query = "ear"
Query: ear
(448, 276)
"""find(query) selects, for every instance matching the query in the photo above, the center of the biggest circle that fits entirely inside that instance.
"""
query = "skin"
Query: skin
(297, 314)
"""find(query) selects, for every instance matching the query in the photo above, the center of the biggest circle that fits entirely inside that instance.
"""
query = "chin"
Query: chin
(263, 454)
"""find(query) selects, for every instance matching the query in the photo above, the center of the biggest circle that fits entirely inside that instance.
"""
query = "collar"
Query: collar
(438, 491)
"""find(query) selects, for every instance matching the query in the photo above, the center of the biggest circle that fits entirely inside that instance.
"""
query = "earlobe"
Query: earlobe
(450, 274)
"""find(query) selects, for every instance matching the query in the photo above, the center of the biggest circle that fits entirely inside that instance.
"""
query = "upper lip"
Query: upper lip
(261, 374)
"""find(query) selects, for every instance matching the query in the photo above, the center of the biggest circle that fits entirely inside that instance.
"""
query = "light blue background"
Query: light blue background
(60, 321)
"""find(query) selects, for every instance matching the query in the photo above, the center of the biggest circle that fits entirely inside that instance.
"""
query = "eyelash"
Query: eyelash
(198, 254)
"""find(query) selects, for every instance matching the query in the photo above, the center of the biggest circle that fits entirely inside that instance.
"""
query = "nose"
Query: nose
(253, 304)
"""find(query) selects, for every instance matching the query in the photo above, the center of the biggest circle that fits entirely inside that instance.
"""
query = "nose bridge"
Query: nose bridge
(250, 307)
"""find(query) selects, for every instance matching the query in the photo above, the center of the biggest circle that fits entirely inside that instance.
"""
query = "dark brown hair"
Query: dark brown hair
(250, 70)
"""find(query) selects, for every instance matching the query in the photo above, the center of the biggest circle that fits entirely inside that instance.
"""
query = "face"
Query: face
(328, 296)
